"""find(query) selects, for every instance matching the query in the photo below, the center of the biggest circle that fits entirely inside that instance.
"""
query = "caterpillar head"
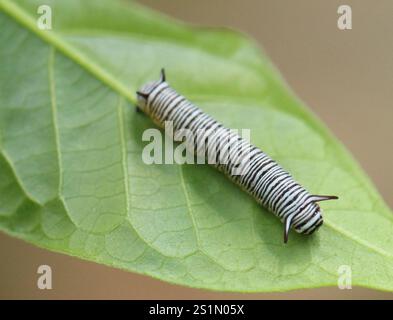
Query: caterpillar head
(308, 219)
(144, 92)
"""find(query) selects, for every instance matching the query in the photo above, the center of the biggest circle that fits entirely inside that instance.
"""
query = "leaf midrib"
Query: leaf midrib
(67, 49)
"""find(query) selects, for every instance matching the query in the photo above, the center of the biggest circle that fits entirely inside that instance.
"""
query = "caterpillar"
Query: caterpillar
(263, 178)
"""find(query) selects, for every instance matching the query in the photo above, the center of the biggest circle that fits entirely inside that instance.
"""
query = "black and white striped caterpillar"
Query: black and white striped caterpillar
(263, 178)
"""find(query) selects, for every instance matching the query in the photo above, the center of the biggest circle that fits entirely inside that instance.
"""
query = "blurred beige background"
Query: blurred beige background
(345, 77)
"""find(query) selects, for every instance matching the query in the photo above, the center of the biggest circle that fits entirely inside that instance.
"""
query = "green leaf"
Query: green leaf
(72, 179)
